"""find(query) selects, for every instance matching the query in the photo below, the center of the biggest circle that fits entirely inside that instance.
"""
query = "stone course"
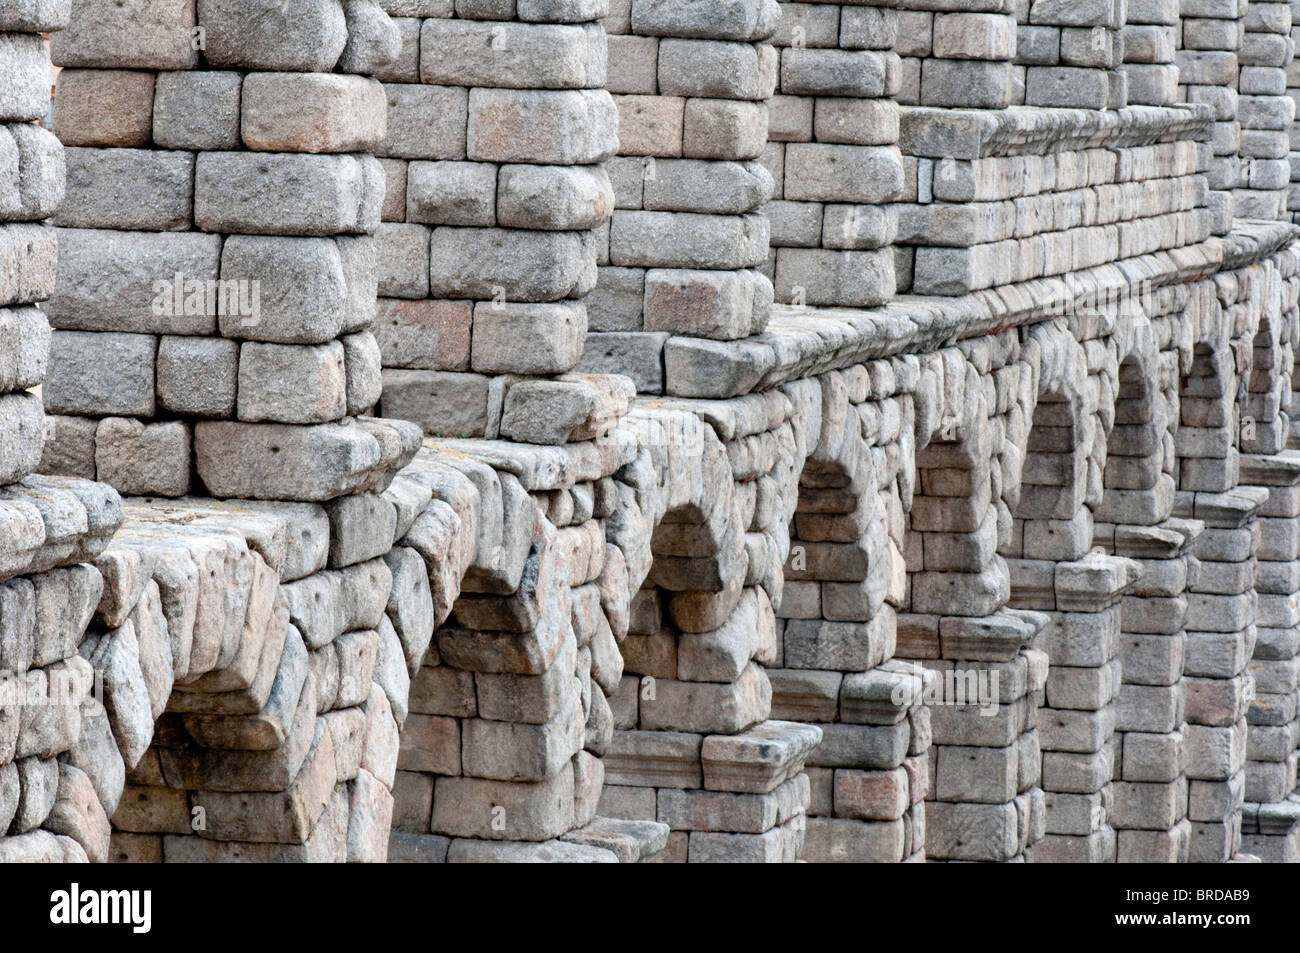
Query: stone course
(495, 217)
(833, 156)
(619, 431)
(1211, 35)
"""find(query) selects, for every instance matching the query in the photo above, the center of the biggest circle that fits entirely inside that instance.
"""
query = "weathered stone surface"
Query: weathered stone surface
(312, 112)
(265, 36)
(287, 194)
(276, 461)
(133, 265)
(139, 34)
(570, 585)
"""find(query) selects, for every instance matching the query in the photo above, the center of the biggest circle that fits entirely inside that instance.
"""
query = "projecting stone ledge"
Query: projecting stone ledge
(1229, 510)
(47, 522)
(568, 409)
(1276, 469)
(883, 695)
(540, 468)
(1272, 831)
(1251, 241)
(292, 538)
(316, 463)
(1020, 130)
(631, 842)
(1094, 583)
(996, 638)
(758, 760)
(805, 342)
(1166, 541)
(651, 759)
(466, 851)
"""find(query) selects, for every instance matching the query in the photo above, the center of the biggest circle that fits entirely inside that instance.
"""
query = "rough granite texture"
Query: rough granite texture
(649, 431)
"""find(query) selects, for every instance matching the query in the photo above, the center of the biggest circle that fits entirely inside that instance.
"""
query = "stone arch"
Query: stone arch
(982, 684)
(1292, 440)
(1240, 598)
(1207, 425)
(1049, 497)
(1221, 597)
(1137, 422)
(1050, 515)
(516, 707)
(1265, 405)
(954, 525)
(1053, 572)
(261, 657)
(1208, 422)
(257, 679)
(839, 521)
(1147, 803)
(844, 581)
(497, 541)
(244, 716)
(1137, 485)
(703, 570)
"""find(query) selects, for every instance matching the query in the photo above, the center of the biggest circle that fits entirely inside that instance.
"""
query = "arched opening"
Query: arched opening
(983, 687)
(1051, 572)
(1207, 439)
(844, 580)
(1221, 600)
(1265, 418)
(1148, 806)
(693, 745)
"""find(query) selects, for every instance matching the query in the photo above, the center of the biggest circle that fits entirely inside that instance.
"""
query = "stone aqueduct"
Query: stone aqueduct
(626, 430)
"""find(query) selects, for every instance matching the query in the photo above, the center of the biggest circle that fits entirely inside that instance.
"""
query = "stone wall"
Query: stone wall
(238, 337)
(686, 240)
(1071, 54)
(956, 518)
(52, 527)
(497, 205)
(1211, 34)
(1293, 83)
(833, 156)
(1266, 112)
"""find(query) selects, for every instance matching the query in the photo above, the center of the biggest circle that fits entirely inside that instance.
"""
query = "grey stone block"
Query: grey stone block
(142, 269)
(265, 35)
(101, 375)
(197, 110)
(198, 376)
(279, 194)
(129, 189)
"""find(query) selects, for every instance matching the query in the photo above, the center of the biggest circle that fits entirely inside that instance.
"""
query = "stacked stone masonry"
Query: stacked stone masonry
(1265, 110)
(1071, 53)
(833, 155)
(649, 431)
(1293, 85)
(687, 245)
(957, 55)
(1150, 40)
(1211, 34)
(495, 216)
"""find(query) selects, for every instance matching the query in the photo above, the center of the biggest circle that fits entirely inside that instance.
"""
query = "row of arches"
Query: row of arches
(1051, 538)
(999, 602)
